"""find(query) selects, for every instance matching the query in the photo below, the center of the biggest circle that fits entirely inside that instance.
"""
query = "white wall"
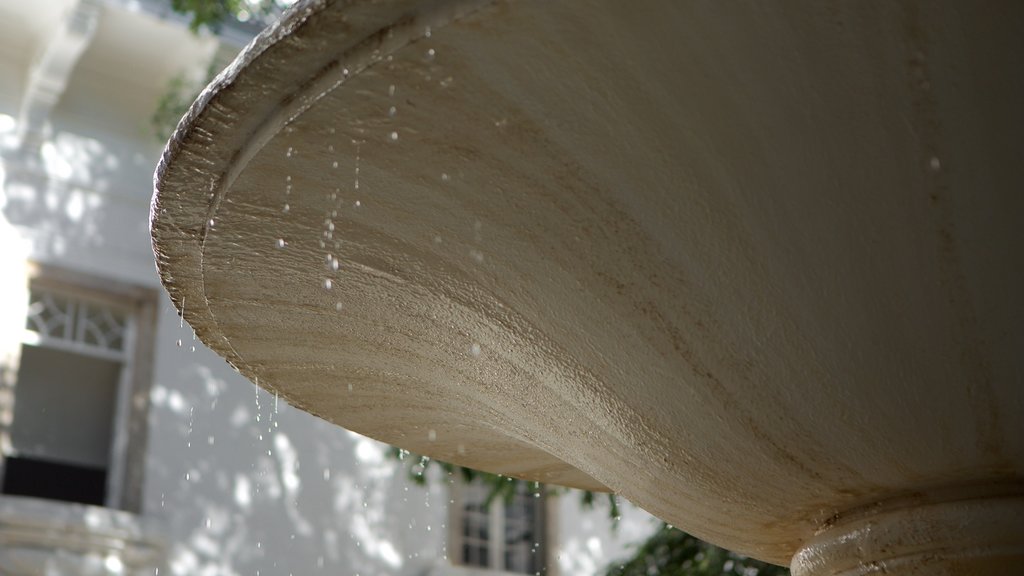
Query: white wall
(246, 486)
(240, 484)
(587, 540)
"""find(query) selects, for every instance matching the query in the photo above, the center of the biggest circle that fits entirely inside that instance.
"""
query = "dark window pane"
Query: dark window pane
(483, 556)
(54, 480)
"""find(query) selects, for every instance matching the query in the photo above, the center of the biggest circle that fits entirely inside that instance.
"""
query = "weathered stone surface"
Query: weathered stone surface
(753, 267)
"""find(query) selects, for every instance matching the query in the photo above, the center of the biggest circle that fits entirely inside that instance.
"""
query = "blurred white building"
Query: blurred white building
(125, 446)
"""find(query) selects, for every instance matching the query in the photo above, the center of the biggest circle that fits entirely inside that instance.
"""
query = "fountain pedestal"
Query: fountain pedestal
(978, 534)
(754, 268)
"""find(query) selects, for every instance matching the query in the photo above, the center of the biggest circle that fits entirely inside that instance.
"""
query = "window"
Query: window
(75, 429)
(507, 534)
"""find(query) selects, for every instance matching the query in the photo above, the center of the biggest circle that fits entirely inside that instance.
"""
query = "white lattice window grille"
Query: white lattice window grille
(503, 534)
(64, 320)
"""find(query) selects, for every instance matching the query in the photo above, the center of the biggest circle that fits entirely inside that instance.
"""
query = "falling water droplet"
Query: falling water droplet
(328, 284)
(391, 90)
(392, 111)
(358, 148)
(281, 243)
(432, 435)
(935, 164)
(286, 208)
(474, 349)
(289, 153)
(445, 177)
(334, 164)
(431, 53)
(211, 222)
(178, 342)
(338, 306)
(393, 136)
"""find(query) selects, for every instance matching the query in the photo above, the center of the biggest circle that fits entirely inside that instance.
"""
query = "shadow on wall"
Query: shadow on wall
(239, 481)
(77, 196)
(246, 482)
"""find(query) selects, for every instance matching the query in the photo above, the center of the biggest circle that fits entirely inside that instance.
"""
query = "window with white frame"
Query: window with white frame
(76, 430)
(506, 534)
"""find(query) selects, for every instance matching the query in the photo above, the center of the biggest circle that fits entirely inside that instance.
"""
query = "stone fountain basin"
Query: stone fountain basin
(755, 268)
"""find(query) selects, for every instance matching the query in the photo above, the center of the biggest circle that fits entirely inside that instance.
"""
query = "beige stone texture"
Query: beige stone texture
(756, 267)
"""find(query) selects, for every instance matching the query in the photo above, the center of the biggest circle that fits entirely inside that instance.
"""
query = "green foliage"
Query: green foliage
(500, 486)
(211, 14)
(672, 552)
(174, 103)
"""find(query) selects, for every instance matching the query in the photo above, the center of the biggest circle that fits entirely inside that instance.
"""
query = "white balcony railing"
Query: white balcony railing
(46, 537)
